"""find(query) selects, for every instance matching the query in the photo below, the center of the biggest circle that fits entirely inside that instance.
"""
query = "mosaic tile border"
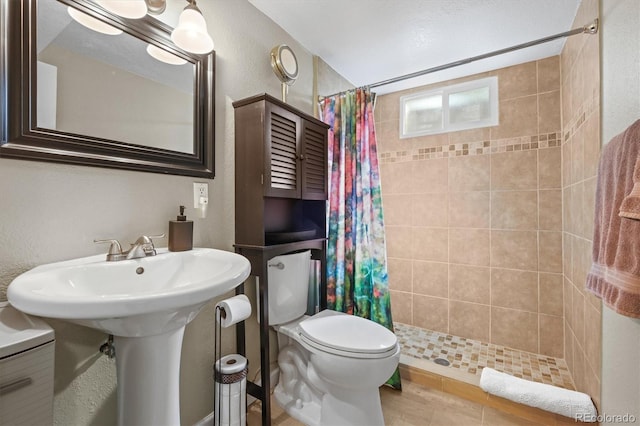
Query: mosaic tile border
(524, 143)
(588, 107)
(471, 356)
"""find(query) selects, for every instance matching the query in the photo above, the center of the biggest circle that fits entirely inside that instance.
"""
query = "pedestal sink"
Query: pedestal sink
(146, 304)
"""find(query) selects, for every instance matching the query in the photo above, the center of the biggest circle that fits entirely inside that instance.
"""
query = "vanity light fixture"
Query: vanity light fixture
(164, 56)
(132, 9)
(191, 33)
(92, 23)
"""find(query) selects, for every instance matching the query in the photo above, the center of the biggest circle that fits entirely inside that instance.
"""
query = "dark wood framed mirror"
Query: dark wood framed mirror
(72, 95)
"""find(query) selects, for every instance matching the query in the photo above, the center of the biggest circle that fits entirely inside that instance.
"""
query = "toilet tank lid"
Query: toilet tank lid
(20, 332)
(348, 333)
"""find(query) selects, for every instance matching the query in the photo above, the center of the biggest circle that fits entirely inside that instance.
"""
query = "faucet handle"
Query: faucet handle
(115, 249)
(146, 242)
(147, 239)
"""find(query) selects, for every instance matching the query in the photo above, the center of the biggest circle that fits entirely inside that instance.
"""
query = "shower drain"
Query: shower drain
(442, 361)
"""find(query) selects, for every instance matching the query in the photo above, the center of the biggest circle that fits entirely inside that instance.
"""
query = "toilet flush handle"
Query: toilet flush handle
(278, 265)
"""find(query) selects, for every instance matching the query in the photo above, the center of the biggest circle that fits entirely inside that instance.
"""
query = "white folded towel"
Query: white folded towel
(576, 405)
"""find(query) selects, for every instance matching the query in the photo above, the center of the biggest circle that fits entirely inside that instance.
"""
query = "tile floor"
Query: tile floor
(416, 405)
(471, 356)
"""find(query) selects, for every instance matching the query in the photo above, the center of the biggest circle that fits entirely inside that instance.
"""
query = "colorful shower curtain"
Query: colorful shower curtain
(357, 280)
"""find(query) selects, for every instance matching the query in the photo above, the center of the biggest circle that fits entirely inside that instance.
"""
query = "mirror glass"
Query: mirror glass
(109, 86)
(123, 97)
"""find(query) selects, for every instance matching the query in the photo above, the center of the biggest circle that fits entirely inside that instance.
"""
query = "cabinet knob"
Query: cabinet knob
(301, 157)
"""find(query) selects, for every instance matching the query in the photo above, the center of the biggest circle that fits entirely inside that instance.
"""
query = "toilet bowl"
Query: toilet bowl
(331, 364)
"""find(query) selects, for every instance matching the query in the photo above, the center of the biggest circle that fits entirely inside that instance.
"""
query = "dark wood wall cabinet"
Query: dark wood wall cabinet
(281, 192)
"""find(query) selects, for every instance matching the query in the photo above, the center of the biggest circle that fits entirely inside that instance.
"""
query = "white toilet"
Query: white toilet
(331, 364)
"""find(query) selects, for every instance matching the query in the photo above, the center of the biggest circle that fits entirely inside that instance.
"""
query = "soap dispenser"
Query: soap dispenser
(180, 233)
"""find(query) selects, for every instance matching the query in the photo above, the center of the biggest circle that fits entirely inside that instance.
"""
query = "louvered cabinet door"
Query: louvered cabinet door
(314, 161)
(282, 168)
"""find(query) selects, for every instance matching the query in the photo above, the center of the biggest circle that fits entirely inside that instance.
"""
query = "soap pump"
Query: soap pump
(180, 233)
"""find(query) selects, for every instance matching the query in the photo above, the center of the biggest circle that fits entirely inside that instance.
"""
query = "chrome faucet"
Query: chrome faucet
(143, 247)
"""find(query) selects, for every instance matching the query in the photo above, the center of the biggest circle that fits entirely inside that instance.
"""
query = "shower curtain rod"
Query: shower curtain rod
(591, 28)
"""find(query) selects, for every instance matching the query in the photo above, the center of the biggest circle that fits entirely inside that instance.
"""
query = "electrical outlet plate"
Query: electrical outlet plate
(200, 189)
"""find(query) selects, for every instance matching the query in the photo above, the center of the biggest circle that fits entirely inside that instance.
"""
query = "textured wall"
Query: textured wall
(52, 212)
(473, 218)
(579, 63)
(620, 107)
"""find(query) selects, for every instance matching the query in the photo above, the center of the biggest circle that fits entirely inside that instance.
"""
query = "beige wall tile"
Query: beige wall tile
(593, 338)
(429, 210)
(514, 170)
(592, 144)
(518, 117)
(429, 141)
(549, 74)
(514, 249)
(551, 335)
(400, 274)
(568, 346)
(429, 244)
(514, 289)
(578, 316)
(427, 175)
(518, 80)
(399, 240)
(469, 209)
(514, 210)
(567, 287)
(566, 164)
(550, 251)
(549, 112)
(567, 253)
(431, 313)
(469, 246)
(578, 372)
(549, 210)
(469, 173)
(514, 329)
(469, 320)
(394, 178)
(388, 138)
(431, 278)
(397, 209)
(576, 212)
(473, 135)
(577, 156)
(550, 294)
(401, 307)
(550, 168)
(589, 205)
(470, 283)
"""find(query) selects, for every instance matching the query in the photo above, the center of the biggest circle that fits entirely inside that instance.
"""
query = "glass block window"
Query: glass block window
(462, 106)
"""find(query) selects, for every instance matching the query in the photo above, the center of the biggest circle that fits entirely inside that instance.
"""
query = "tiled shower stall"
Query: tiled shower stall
(478, 245)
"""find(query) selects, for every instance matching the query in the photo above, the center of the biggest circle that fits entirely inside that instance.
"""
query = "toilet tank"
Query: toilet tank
(288, 286)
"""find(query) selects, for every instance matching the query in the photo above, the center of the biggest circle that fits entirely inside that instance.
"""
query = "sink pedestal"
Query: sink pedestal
(148, 372)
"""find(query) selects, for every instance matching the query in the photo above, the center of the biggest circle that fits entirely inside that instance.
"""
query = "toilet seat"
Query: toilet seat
(348, 335)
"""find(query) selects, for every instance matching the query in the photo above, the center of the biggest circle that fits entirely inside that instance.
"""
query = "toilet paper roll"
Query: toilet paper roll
(233, 310)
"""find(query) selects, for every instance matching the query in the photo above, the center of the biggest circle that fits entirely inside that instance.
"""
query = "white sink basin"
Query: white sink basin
(129, 298)
(145, 303)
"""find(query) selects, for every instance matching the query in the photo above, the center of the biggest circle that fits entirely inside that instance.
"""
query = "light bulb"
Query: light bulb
(191, 33)
(164, 56)
(92, 23)
(132, 9)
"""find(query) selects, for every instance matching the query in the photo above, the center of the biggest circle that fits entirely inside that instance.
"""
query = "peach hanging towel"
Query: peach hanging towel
(615, 272)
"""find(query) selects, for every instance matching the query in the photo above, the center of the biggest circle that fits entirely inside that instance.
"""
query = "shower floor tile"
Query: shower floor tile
(471, 356)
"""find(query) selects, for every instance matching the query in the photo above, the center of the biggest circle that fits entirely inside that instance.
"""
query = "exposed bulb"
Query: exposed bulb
(132, 9)
(191, 33)
(92, 23)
